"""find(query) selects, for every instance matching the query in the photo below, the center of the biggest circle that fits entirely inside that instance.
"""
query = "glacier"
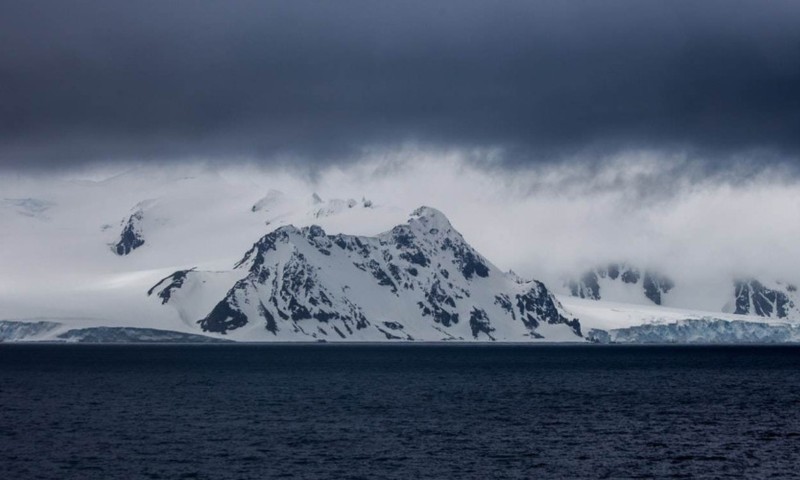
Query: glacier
(57, 332)
(700, 331)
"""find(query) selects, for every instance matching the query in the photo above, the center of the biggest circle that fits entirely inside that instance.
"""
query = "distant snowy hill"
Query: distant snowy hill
(624, 283)
(418, 281)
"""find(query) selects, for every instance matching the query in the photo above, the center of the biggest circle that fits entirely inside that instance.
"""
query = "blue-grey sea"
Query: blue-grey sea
(398, 411)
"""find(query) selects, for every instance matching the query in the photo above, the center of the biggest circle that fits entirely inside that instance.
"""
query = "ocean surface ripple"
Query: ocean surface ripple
(398, 411)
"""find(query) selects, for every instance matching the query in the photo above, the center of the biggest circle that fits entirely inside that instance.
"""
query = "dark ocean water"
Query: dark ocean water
(333, 411)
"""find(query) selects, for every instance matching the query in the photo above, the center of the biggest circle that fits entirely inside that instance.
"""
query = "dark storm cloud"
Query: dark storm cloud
(87, 81)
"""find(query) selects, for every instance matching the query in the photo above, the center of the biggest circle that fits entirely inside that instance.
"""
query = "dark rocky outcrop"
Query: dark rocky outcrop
(751, 297)
(169, 284)
(654, 284)
(131, 236)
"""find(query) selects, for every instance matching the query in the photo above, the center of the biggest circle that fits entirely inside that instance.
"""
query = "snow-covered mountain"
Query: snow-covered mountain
(774, 300)
(418, 281)
(212, 247)
(621, 282)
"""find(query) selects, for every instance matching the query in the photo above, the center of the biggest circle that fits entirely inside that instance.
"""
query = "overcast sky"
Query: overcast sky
(317, 83)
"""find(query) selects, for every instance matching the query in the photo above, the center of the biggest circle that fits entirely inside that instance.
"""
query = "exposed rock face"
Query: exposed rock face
(652, 284)
(751, 297)
(620, 282)
(586, 287)
(655, 285)
(419, 281)
(169, 284)
(131, 236)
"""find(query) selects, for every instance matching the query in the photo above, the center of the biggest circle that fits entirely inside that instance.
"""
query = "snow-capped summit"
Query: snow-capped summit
(418, 281)
(431, 219)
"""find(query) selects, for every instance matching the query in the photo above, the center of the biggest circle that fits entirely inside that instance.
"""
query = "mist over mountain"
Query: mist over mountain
(90, 246)
(635, 153)
(375, 239)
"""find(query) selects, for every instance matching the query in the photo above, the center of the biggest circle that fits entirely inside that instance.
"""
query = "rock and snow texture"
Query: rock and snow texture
(131, 237)
(60, 237)
(621, 282)
(418, 281)
(752, 297)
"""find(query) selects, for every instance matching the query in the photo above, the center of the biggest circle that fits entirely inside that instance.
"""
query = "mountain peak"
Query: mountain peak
(418, 281)
(430, 218)
(313, 231)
